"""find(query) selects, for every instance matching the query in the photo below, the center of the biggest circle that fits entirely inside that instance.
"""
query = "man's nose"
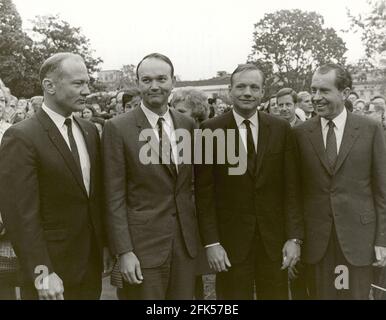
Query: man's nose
(154, 85)
(247, 92)
(85, 90)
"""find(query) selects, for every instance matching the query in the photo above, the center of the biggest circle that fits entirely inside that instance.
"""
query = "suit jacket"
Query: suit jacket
(143, 200)
(352, 196)
(231, 207)
(48, 215)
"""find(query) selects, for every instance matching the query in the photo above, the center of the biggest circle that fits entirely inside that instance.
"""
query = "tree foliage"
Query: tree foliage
(290, 44)
(372, 25)
(22, 54)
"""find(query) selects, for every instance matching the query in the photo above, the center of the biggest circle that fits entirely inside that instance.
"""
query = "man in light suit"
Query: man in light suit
(251, 223)
(150, 213)
(50, 189)
(342, 161)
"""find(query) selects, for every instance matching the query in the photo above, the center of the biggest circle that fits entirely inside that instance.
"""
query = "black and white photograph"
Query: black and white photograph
(210, 151)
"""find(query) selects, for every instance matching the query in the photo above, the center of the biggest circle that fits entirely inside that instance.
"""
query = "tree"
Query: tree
(291, 44)
(372, 25)
(56, 35)
(17, 54)
(128, 76)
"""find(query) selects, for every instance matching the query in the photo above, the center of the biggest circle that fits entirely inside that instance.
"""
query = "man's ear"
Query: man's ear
(49, 86)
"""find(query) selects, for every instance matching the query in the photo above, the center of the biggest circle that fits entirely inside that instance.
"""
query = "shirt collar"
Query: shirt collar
(57, 118)
(239, 119)
(339, 121)
(152, 117)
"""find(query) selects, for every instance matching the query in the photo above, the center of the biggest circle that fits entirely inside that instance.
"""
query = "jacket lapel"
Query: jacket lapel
(263, 140)
(61, 145)
(316, 138)
(351, 133)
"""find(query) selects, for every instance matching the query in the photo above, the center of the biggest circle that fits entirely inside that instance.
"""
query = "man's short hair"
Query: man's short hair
(287, 91)
(247, 67)
(302, 95)
(343, 78)
(158, 56)
(53, 63)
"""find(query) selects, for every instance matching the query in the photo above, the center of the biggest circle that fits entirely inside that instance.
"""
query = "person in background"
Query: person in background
(4, 100)
(353, 96)
(19, 116)
(89, 113)
(359, 106)
(286, 102)
(272, 106)
(305, 105)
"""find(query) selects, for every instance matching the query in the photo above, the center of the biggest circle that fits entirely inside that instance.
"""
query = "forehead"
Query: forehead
(379, 101)
(285, 98)
(73, 68)
(154, 67)
(248, 77)
(324, 79)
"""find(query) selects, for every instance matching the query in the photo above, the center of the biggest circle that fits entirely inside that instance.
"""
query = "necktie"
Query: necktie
(331, 146)
(165, 146)
(251, 151)
(74, 148)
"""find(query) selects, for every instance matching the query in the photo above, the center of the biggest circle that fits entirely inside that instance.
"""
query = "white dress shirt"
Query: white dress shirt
(152, 117)
(254, 123)
(340, 123)
(84, 157)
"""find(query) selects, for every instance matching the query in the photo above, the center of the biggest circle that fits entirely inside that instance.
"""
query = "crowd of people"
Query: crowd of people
(76, 199)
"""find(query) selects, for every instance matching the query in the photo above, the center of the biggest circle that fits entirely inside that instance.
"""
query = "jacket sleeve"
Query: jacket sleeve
(115, 190)
(19, 202)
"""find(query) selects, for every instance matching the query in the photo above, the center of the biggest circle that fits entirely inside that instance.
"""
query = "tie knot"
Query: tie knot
(331, 124)
(68, 122)
(160, 120)
(247, 123)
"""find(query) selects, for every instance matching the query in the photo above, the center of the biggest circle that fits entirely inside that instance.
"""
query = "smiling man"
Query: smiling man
(51, 189)
(251, 224)
(150, 212)
(286, 103)
(343, 158)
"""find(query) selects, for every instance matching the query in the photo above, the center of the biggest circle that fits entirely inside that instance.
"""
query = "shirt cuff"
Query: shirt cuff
(212, 245)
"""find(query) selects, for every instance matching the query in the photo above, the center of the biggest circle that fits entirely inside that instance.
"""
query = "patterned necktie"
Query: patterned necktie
(251, 150)
(331, 145)
(74, 148)
(165, 147)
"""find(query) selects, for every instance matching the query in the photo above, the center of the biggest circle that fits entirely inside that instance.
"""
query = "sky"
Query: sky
(201, 37)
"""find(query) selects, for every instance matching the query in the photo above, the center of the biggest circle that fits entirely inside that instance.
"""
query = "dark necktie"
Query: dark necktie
(331, 145)
(74, 148)
(165, 147)
(251, 151)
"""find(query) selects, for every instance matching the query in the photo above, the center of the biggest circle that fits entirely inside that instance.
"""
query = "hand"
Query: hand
(293, 273)
(291, 254)
(380, 255)
(107, 261)
(130, 268)
(218, 258)
(51, 288)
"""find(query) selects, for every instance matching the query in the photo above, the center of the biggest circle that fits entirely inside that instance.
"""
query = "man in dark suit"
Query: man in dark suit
(251, 223)
(343, 172)
(50, 189)
(150, 211)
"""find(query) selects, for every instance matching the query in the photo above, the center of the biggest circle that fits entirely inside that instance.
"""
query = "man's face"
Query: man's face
(286, 107)
(155, 82)
(379, 104)
(36, 104)
(246, 91)
(352, 97)
(71, 86)
(306, 104)
(327, 99)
